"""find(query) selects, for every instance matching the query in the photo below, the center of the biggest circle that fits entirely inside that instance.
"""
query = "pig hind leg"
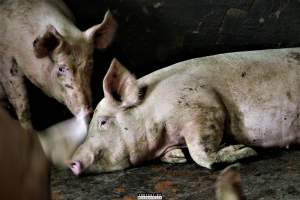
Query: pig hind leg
(203, 142)
(12, 80)
(174, 156)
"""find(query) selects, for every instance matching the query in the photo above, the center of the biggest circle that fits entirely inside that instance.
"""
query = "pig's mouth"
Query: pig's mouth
(83, 111)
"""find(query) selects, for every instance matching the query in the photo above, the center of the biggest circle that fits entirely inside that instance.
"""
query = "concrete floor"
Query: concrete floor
(272, 175)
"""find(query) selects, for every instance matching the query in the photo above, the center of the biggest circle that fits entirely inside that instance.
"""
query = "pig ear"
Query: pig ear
(45, 44)
(120, 85)
(103, 34)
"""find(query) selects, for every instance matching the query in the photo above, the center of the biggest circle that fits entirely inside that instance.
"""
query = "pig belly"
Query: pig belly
(272, 126)
(271, 129)
(264, 102)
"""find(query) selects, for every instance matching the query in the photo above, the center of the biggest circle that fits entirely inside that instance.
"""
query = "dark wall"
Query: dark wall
(155, 33)
(160, 32)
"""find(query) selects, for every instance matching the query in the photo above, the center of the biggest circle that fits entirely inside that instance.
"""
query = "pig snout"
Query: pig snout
(75, 167)
(79, 163)
(77, 101)
(84, 113)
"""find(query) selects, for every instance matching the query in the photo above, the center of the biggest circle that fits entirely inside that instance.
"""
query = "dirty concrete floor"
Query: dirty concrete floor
(272, 175)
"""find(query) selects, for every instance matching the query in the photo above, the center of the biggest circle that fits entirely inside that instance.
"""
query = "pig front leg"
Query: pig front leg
(12, 80)
(203, 138)
(174, 156)
(233, 153)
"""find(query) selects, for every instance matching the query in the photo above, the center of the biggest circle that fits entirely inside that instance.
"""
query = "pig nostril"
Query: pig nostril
(75, 166)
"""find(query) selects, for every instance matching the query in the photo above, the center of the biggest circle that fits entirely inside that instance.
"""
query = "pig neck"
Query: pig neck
(148, 139)
(157, 129)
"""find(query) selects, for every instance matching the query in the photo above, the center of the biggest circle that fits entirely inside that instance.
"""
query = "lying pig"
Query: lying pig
(40, 42)
(61, 140)
(252, 97)
(24, 171)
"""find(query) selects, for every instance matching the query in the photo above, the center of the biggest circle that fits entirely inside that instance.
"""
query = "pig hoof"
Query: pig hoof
(174, 156)
(75, 166)
(173, 160)
(235, 152)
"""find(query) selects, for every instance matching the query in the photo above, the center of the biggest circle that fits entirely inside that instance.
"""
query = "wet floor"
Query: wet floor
(272, 175)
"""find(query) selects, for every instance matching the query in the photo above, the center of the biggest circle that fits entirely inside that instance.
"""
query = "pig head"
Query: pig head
(123, 131)
(72, 59)
(46, 47)
(106, 148)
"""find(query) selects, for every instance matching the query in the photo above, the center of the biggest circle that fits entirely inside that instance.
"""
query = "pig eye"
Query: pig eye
(62, 70)
(102, 122)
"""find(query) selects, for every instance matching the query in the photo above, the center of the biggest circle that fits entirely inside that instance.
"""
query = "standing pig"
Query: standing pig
(40, 42)
(253, 97)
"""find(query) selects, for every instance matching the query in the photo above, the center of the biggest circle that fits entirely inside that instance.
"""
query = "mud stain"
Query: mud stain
(128, 197)
(56, 195)
(119, 189)
(243, 74)
(179, 173)
(162, 186)
(156, 168)
(234, 12)
(69, 86)
(289, 95)
(294, 56)
(14, 71)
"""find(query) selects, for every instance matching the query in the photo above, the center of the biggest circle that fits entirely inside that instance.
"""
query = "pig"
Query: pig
(228, 185)
(61, 140)
(25, 170)
(40, 42)
(250, 98)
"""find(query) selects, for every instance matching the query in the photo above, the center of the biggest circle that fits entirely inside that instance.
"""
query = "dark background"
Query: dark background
(156, 33)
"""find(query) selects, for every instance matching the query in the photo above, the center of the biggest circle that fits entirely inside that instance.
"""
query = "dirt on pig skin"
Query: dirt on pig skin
(273, 175)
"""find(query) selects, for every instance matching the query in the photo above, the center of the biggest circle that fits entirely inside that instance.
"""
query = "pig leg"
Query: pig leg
(174, 156)
(13, 84)
(228, 184)
(233, 153)
(203, 142)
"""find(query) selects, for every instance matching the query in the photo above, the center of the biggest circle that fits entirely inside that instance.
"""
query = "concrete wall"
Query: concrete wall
(160, 32)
